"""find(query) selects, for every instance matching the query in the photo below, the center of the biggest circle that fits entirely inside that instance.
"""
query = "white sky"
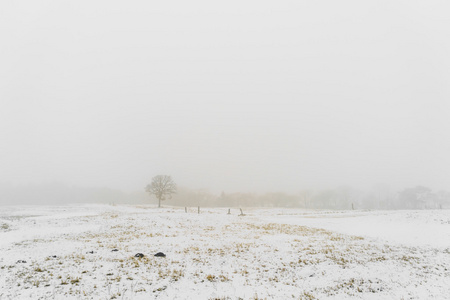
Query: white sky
(232, 95)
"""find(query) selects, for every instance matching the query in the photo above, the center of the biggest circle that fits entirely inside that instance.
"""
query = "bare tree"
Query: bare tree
(162, 186)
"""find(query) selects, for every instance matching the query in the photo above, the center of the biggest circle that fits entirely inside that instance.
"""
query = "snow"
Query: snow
(411, 228)
(266, 254)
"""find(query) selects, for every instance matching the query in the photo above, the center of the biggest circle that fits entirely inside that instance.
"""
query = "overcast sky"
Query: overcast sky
(230, 95)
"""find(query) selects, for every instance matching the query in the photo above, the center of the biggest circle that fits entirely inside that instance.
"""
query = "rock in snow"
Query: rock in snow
(160, 254)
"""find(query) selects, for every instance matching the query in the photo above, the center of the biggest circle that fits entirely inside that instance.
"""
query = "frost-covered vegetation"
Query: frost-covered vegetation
(67, 252)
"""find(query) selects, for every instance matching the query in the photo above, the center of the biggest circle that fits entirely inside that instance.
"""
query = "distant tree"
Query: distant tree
(162, 186)
(324, 199)
(305, 198)
(343, 197)
(415, 197)
(443, 199)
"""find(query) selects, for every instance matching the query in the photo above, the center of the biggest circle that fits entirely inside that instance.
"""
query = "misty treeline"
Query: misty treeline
(378, 197)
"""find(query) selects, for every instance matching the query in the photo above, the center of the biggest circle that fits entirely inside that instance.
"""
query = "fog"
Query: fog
(235, 97)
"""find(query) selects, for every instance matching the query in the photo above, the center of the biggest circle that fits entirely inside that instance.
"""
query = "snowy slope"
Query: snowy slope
(266, 254)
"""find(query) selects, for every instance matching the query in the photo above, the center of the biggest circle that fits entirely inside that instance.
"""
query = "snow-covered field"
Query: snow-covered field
(50, 252)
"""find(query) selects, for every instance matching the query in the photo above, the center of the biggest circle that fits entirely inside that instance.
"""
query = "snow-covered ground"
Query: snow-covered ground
(61, 252)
